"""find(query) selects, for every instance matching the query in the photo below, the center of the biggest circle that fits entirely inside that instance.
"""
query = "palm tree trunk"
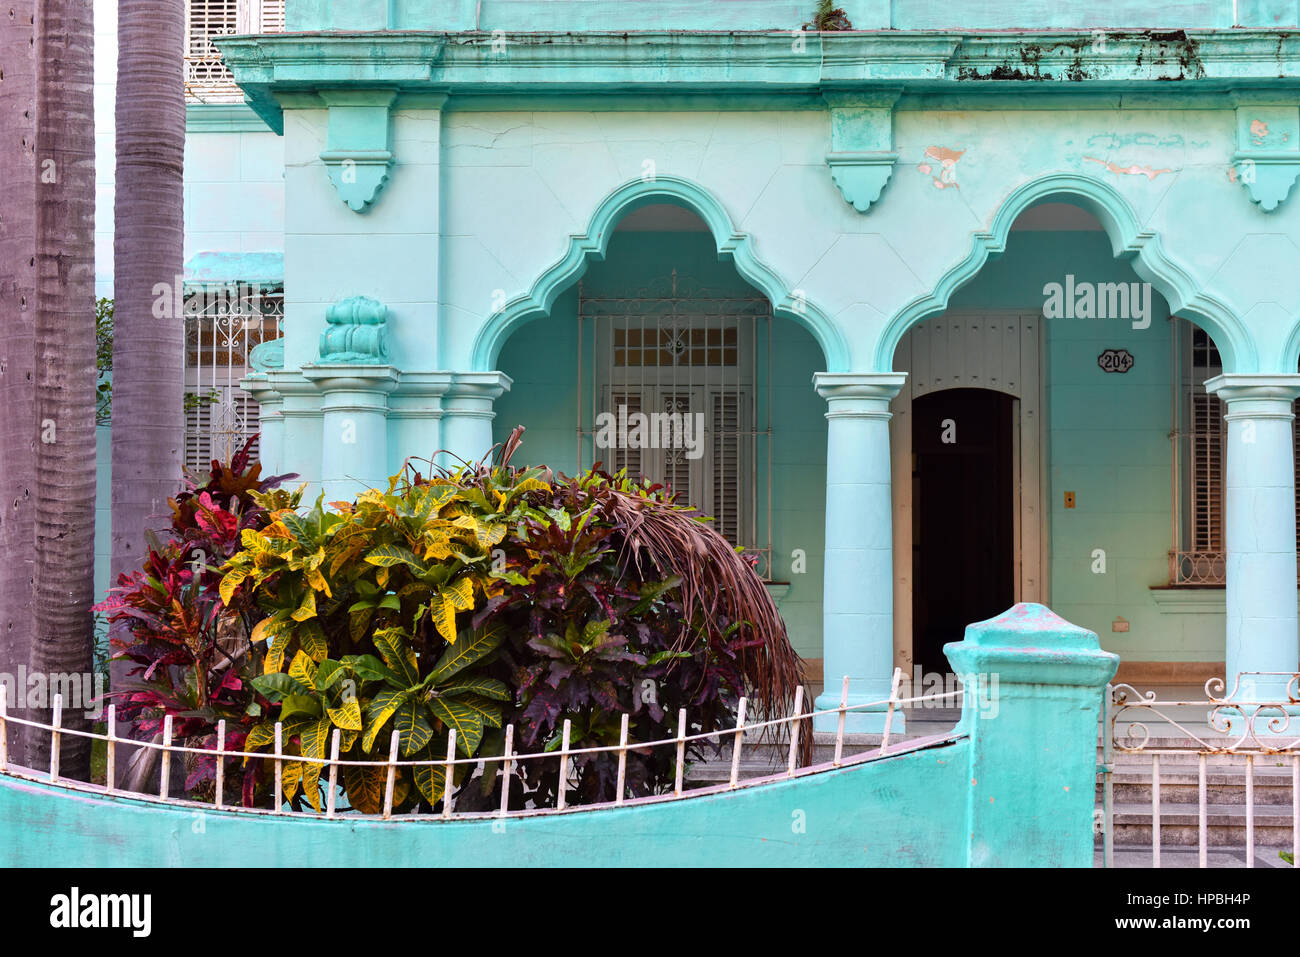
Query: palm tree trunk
(18, 344)
(148, 248)
(65, 360)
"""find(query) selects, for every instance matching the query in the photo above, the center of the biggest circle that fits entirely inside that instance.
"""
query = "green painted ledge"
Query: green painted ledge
(223, 118)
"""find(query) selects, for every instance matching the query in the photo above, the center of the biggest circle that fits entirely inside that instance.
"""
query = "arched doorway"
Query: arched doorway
(963, 490)
(984, 372)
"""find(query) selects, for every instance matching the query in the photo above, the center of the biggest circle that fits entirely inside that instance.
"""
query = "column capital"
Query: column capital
(858, 393)
(1256, 395)
(479, 385)
(351, 377)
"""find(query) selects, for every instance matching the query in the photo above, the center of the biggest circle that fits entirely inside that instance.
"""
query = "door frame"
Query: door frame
(1029, 472)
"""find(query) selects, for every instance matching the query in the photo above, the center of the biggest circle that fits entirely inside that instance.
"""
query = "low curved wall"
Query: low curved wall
(900, 810)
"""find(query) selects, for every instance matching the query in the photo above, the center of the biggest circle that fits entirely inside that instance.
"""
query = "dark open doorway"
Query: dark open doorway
(963, 557)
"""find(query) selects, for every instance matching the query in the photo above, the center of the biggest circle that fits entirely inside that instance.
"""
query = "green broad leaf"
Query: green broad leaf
(276, 685)
(370, 668)
(329, 673)
(397, 654)
(386, 556)
(561, 518)
(430, 781)
(467, 722)
(661, 656)
(472, 646)
(383, 707)
(295, 704)
(486, 687)
(391, 602)
(301, 532)
(413, 727)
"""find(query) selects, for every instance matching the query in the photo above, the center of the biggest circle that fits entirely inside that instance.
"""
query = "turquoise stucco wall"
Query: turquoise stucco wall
(542, 358)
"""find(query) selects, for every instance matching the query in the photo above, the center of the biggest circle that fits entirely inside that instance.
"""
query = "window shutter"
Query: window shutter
(1207, 463)
(725, 427)
(207, 79)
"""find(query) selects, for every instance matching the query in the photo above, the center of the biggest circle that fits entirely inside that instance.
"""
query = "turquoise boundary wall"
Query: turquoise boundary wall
(1014, 787)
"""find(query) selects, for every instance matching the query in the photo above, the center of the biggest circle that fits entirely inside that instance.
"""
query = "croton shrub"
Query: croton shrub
(485, 596)
(188, 652)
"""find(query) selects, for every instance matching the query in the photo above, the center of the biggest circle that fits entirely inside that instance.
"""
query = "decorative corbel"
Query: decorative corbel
(1267, 160)
(359, 153)
(356, 332)
(862, 154)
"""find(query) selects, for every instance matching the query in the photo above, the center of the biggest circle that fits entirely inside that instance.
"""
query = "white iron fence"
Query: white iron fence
(793, 725)
(1219, 774)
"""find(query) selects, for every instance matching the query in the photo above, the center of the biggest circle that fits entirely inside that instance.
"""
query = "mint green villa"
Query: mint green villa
(954, 309)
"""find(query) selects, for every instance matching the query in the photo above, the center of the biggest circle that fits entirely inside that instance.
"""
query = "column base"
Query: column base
(868, 720)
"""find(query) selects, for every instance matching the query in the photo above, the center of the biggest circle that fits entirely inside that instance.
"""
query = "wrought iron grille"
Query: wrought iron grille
(207, 78)
(679, 391)
(222, 326)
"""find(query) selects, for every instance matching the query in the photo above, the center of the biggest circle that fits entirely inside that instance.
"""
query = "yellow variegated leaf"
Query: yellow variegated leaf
(430, 781)
(303, 668)
(290, 778)
(311, 638)
(458, 596)
(377, 715)
(346, 716)
(231, 581)
(315, 744)
(438, 544)
(307, 609)
(345, 556)
(261, 735)
(275, 654)
(365, 786)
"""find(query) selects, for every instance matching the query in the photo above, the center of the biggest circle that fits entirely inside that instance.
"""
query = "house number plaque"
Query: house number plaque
(1115, 360)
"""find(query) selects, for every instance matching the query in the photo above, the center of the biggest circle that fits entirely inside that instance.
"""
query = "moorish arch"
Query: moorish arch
(1129, 241)
(592, 245)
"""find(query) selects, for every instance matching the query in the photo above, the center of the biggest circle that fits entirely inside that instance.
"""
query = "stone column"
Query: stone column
(354, 427)
(467, 415)
(270, 423)
(858, 597)
(1259, 531)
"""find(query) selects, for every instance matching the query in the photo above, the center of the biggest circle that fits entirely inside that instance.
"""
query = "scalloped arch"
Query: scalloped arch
(1291, 349)
(1128, 241)
(733, 245)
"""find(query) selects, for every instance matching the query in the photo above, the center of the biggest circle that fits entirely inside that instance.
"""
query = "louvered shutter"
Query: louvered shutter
(725, 443)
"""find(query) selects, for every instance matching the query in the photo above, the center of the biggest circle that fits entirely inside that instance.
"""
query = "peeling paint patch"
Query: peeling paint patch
(1134, 170)
(945, 175)
(1258, 131)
